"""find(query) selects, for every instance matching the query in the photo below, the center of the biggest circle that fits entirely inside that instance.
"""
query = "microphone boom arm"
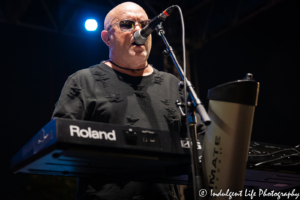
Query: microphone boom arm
(140, 36)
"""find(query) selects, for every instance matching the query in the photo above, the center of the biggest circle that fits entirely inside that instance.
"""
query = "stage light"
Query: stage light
(91, 25)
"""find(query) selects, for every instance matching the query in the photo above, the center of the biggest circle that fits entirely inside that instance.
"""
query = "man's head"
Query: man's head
(121, 43)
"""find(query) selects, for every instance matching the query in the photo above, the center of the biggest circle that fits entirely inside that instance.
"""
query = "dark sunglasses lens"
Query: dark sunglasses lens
(144, 23)
(126, 25)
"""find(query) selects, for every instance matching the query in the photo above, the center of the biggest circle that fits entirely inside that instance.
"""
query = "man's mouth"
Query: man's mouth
(137, 44)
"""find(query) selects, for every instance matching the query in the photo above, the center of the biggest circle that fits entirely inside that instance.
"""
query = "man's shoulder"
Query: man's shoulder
(88, 72)
(166, 75)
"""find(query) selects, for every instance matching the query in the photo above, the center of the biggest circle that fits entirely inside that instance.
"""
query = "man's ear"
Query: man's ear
(105, 37)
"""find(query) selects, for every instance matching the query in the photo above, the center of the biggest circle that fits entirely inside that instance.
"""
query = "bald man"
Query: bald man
(124, 90)
(122, 49)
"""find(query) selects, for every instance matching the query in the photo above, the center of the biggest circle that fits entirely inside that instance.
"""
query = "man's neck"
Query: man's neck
(132, 70)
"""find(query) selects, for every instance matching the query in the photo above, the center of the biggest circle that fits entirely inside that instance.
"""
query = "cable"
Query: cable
(185, 99)
(268, 161)
(292, 149)
(184, 68)
(287, 165)
(295, 150)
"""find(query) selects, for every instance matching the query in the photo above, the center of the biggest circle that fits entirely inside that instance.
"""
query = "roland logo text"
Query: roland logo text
(93, 134)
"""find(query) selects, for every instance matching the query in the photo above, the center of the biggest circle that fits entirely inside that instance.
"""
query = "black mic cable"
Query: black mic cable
(140, 36)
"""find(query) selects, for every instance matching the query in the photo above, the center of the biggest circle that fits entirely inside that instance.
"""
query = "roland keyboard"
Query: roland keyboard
(88, 149)
(82, 149)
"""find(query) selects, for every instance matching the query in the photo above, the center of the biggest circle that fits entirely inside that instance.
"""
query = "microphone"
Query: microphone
(140, 36)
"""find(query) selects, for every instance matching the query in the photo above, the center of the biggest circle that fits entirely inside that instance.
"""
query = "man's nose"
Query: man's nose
(137, 27)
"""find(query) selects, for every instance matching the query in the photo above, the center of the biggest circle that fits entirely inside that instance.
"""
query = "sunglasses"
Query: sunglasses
(128, 25)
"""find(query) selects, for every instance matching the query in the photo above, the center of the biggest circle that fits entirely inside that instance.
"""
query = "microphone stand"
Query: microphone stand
(198, 107)
(196, 101)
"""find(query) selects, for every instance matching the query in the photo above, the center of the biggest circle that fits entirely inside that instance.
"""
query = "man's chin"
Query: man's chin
(139, 54)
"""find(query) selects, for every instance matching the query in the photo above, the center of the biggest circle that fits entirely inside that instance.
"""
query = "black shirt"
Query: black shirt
(102, 94)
